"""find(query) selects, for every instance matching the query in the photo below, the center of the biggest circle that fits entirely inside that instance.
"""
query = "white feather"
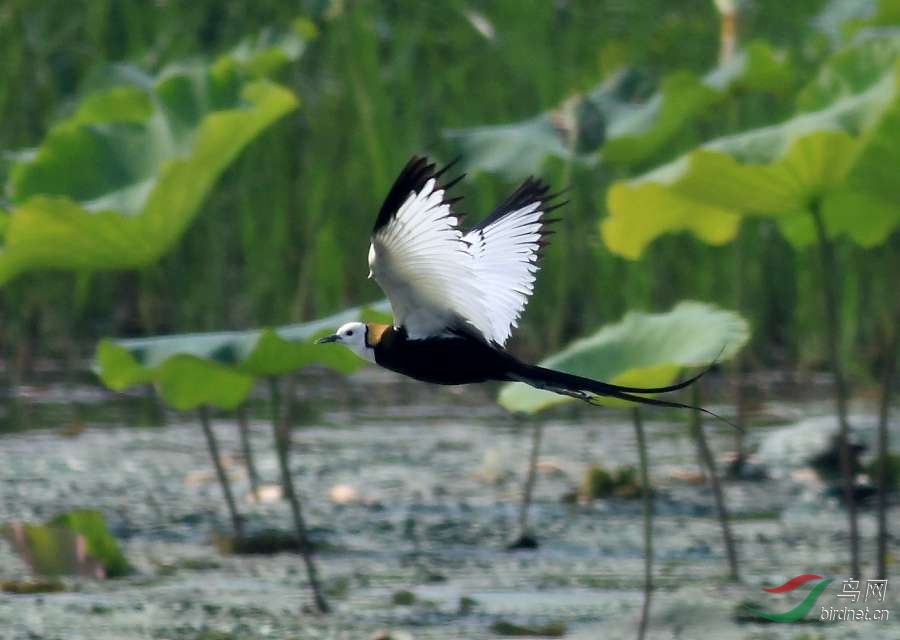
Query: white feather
(425, 268)
(437, 279)
(504, 257)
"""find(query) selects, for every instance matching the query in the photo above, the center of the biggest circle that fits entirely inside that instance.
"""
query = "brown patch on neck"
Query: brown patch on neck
(374, 332)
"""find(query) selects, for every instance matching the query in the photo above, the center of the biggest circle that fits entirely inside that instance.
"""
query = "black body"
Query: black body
(460, 358)
(455, 359)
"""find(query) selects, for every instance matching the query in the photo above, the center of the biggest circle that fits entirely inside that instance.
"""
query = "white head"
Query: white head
(353, 336)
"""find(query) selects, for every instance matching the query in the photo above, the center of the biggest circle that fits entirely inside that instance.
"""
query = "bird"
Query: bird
(457, 295)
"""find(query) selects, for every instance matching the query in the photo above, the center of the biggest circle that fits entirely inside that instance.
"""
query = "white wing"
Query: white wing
(505, 250)
(420, 260)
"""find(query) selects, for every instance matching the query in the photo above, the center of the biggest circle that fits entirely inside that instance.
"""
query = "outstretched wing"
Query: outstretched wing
(506, 248)
(420, 260)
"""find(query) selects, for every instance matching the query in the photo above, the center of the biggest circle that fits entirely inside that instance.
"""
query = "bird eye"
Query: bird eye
(350, 332)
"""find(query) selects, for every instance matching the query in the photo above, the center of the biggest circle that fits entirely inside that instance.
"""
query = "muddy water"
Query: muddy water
(413, 488)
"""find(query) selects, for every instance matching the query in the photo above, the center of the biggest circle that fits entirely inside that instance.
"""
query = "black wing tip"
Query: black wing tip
(531, 189)
(418, 170)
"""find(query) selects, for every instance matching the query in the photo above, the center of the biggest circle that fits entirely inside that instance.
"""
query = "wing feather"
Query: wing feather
(420, 260)
(440, 281)
(506, 248)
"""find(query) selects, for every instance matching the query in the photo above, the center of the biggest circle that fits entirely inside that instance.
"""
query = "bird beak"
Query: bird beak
(332, 338)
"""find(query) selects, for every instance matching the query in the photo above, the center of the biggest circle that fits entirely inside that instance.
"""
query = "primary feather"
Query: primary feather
(505, 250)
(439, 280)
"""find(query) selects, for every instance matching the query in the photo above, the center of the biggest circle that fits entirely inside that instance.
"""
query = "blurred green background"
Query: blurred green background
(284, 234)
(117, 118)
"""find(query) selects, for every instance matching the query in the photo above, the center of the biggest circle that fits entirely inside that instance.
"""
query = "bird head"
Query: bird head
(353, 336)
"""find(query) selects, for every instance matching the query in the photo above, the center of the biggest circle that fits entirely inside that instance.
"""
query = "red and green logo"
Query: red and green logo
(801, 609)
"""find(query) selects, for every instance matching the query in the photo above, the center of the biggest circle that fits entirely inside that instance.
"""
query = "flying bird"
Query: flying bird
(457, 295)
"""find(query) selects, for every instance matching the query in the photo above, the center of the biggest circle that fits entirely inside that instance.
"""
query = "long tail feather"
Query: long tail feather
(588, 389)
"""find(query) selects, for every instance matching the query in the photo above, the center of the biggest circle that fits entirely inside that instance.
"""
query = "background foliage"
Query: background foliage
(283, 236)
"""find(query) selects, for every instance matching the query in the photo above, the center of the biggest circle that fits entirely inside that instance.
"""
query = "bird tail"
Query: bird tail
(588, 389)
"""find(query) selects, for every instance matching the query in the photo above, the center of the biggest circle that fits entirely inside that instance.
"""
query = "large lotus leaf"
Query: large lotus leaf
(643, 349)
(187, 382)
(117, 183)
(219, 368)
(866, 207)
(614, 119)
(511, 150)
(824, 157)
(851, 70)
(636, 134)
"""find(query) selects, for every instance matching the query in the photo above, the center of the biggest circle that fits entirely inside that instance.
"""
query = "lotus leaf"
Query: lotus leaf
(615, 120)
(219, 369)
(643, 349)
(76, 542)
(842, 158)
(116, 184)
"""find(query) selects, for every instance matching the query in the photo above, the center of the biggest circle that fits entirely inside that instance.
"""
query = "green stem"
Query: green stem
(740, 361)
(530, 478)
(830, 295)
(247, 448)
(718, 494)
(213, 447)
(648, 521)
(281, 434)
(887, 383)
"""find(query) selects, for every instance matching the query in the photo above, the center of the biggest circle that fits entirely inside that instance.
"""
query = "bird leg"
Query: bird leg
(584, 396)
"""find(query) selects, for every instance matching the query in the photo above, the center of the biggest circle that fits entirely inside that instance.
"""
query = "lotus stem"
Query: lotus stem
(530, 478)
(247, 447)
(740, 361)
(887, 383)
(718, 495)
(728, 30)
(830, 298)
(647, 501)
(281, 433)
(213, 447)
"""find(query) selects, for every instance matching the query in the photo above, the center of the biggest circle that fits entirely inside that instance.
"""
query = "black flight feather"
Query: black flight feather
(412, 179)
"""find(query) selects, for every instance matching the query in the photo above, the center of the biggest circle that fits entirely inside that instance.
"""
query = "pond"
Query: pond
(412, 493)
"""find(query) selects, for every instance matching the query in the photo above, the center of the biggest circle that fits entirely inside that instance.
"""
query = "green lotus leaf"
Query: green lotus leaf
(76, 542)
(636, 134)
(851, 70)
(845, 19)
(837, 17)
(100, 543)
(118, 104)
(758, 67)
(118, 182)
(265, 54)
(643, 349)
(219, 369)
(511, 150)
(866, 207)
(187, 382)
(839, 156)
(4, 220)
(609, 120)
